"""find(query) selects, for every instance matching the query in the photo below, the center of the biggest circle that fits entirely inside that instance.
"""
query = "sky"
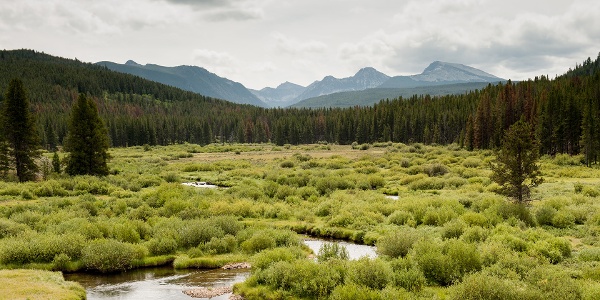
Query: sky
(262, 43)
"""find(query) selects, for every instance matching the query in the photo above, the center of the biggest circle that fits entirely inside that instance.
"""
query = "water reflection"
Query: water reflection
(355, 251)
(155, 283)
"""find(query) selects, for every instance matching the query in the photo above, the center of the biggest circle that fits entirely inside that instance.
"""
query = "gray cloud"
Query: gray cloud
(223, 10)
(266, 42)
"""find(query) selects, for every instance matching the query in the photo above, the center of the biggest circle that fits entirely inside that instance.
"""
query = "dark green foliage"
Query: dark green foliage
(20, 142)
(87, 142)
(56, 163)
(516, 169)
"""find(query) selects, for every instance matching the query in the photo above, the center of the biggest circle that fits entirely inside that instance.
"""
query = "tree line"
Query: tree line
(563, 111)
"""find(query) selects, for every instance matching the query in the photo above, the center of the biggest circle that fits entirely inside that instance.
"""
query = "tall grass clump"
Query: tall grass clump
(108, 256)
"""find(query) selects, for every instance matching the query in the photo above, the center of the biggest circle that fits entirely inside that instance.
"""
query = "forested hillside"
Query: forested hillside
(564, 110)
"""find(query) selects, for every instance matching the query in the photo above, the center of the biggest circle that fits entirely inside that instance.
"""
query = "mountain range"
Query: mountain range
(366, 87)
(189, 78)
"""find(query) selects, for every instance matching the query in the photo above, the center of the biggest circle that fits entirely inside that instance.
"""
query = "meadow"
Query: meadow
(440, 228)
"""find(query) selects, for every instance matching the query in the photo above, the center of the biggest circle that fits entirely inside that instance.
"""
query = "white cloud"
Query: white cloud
(291, 46)
(212, 58)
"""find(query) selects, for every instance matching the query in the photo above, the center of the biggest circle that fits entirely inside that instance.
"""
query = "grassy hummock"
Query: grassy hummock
(38, 284)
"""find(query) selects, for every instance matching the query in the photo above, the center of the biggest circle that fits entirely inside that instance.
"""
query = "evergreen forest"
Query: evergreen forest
(563, 111)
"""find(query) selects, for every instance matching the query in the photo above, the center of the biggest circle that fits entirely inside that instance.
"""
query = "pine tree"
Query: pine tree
(87, 140)
(516, 168)
(56, 163)
(20, 133)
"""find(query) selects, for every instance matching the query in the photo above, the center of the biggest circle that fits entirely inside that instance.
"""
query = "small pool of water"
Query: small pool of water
(355, 251)
(155, 283)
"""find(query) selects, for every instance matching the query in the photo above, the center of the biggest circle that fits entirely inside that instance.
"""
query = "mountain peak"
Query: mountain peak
(444, 71)
(368, 71)
(132, 63)
(288, 84)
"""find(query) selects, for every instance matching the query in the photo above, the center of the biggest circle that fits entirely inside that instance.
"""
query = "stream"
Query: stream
(169, 283)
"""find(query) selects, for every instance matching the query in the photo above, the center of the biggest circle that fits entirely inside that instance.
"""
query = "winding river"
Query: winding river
(168, 283)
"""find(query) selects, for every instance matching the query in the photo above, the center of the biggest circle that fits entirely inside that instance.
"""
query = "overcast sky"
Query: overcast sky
(266, 42)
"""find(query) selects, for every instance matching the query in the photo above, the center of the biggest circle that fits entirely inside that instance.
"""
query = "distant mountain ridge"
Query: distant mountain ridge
(439, 78)
(348, 90)
(365, 78)
(283, 95)
(189, 78)
(441, 73)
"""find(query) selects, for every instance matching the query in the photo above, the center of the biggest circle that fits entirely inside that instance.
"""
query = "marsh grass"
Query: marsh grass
(38, 284)
(333, 191)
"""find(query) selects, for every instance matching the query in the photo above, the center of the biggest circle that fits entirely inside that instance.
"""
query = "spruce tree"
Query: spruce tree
(87, 140)
(516, 169)
(56, 163)
(21, 142)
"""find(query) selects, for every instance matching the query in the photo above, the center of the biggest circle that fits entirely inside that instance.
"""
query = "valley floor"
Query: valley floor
(446, 234)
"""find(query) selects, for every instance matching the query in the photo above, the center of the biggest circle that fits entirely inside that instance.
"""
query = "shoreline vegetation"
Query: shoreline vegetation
(447, 234)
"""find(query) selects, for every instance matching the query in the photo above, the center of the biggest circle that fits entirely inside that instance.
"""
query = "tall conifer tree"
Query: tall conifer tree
(21, 146)
(87, 140)
(516, 168)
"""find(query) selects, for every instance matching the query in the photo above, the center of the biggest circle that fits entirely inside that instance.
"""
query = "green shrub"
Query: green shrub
(27, 195)
(10, 228)
(471, 162)
(397, 243)
(435, 170)
(332, 251)
(287, 164)
(407, 275)
(589, 254)
(475, 219)
(453, 229)
(161, 245)
(554, 249)
(563, 219)
(261, 240)
(226, 244)
(485, 287)
(554, 283)
(353, 291)
(428, 183)
(376, 181)
(590, 191)
(108, 256)
(195, 232)
(61, 262)
(371, 273)
(304, 278)
(455, 182)
(545, 214)
(446, 263)
(171, 177)
(42, 248)
(474, 234)
(518, 211)
(267, 258)
(401, 217)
